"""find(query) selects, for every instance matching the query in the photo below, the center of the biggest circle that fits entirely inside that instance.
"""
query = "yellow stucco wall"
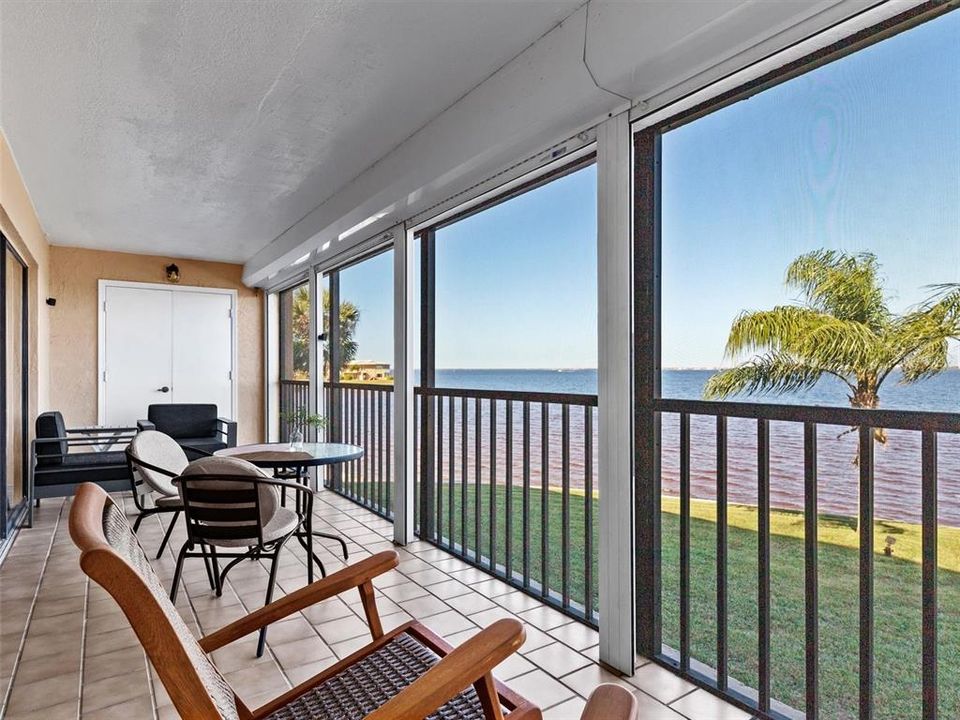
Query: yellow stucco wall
(74, 273)
(20, 225)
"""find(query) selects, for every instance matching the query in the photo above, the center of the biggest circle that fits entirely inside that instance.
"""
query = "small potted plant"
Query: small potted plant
(298, 419)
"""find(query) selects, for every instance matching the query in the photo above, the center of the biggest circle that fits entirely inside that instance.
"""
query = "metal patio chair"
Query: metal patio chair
(154, 460)
(233, 510)
(408, 673)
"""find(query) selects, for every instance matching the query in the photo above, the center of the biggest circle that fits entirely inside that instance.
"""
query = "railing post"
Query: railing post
(615, 352)
(403, 399)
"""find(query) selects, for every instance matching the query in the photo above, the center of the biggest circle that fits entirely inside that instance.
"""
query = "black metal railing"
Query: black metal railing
(362, 414)
(294, 394)
(507, 481)
(856, 653)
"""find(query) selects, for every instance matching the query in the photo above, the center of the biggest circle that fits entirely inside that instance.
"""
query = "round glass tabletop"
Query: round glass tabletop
(279, 455)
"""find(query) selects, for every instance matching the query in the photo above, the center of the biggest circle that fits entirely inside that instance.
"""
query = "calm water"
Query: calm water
(941, 393)
(897, 484)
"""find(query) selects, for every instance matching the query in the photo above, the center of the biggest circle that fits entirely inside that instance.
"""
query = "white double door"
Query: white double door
(164, 345)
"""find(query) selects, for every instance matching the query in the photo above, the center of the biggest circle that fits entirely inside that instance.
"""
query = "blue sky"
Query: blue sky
(860, 154)
(369, 285)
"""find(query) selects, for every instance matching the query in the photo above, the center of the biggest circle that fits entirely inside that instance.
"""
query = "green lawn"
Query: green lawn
(897, 582)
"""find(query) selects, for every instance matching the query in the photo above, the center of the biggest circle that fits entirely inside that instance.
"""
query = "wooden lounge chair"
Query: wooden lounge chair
(406, 674)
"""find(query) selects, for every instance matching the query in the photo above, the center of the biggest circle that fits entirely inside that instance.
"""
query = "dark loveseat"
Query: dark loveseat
(192, 426)
(62, 457)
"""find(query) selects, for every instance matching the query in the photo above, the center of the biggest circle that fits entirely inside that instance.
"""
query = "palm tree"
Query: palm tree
(300, 319)
(349, 317)
(842, 327)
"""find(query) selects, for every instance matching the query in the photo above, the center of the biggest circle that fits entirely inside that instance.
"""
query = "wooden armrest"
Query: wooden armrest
(464, 666)
(355, 575)
(610, 702)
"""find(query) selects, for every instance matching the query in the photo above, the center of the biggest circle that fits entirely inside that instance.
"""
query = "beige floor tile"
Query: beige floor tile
(567, 710)
(470, 603)
(660, 683)
(114, 690)
(557, 659)
(36, 696)
(514, 665)
(424, 607)
(326, 611)
(544, 618)
(448, 623)
(404, 591)
(303, 673)
(428, 577)
(61, 711)
(47, 667)
(290, 630)
(585, 680)
(701, 705)
(541, 689)
(348, 647)
(576, 635)
(111, 664)
(343, 629)
(449, 589)
(138, 707)
(452, 597)
(650, 709)
(301, 652)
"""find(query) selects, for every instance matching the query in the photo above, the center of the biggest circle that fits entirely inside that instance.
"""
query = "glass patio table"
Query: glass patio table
(289, 464)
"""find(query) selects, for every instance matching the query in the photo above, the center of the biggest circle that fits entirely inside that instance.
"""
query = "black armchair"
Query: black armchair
(195, 427)
(62, 458)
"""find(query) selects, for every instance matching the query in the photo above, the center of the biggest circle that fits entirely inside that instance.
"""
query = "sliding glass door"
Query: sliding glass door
(13, 388)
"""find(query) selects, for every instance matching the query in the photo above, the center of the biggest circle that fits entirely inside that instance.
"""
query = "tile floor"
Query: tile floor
(67, 653)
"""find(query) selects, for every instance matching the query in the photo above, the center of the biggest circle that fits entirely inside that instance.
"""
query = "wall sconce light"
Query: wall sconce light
(173, 273)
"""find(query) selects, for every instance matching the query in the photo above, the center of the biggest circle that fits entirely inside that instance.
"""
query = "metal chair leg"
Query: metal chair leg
(270, 584)
(216, 570)
(136, 523)
(178, 572)
(166, 536)
(209, 568)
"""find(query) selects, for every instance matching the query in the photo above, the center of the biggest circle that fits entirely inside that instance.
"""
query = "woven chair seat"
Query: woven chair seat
(366, 685)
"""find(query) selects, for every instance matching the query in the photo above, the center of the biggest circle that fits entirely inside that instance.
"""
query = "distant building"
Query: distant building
(366, 371)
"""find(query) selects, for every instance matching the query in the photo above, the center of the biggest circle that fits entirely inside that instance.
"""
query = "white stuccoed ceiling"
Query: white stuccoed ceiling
(259, 132)
(205, 129)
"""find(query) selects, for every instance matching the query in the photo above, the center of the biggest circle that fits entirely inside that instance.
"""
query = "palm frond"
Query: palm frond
(774, 372)
(924, 362)
(781, 329)
(845, 346)
(841, 284)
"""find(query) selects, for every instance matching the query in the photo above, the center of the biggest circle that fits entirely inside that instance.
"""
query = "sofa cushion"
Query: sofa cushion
(211, 445)
(50, 425)
(184, 420)
(84, 467)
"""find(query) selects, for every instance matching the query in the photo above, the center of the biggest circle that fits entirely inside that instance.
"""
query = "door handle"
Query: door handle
(164, 389)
